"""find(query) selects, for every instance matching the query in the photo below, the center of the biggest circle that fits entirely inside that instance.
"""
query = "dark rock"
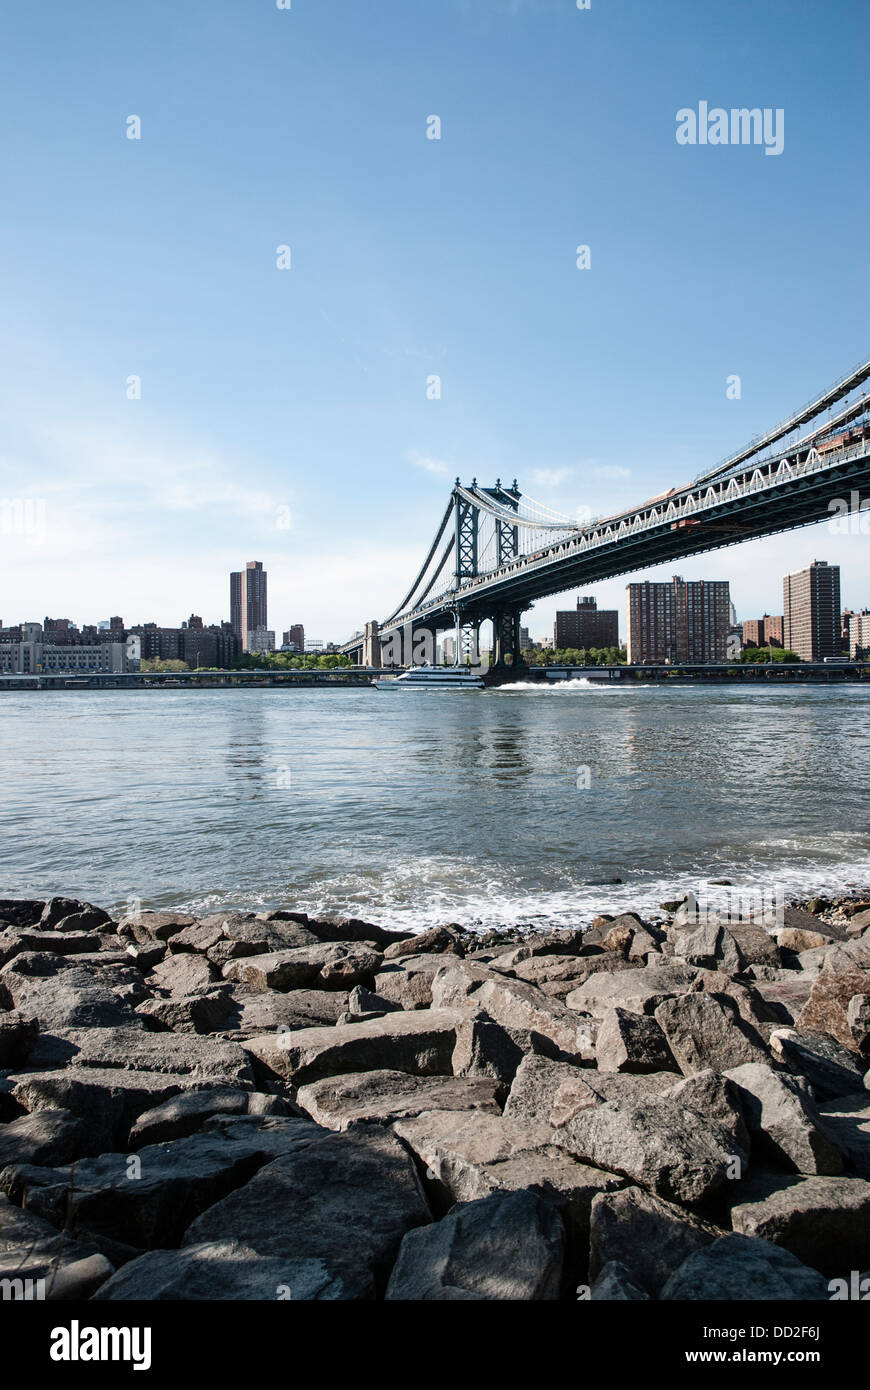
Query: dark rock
(381, 1097)
(514, 1004)
(739, 1268)
(437, 940)
(21, 912)
(158, 926)
(486, 1049)
(72, 915)
(18, 1036)
(781, 1111)
(615, 1283)
(340, 1201)
(847, 1123)
(823, 1221)
(705, 1030)
(831, 1069)
(508, 1246)
(652, 1237)
(186, 1113)
(326, 966)
(32, 1250)
(632, 1042)
(46, 1138)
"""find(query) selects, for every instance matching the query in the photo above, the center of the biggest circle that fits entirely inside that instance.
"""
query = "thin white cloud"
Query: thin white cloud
(430, 465)
(551, 477)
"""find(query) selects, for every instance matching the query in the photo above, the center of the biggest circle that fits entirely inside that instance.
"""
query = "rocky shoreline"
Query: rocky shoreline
(271, 1106)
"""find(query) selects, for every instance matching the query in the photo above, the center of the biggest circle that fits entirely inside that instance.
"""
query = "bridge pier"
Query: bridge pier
(506, 648)
(371, 651)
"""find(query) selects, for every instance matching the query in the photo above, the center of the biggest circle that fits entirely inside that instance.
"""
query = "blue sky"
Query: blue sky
(270, 393)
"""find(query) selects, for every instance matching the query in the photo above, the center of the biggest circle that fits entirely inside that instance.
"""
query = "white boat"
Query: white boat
(432, 678)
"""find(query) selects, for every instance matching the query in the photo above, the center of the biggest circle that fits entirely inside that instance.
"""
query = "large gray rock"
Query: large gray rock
(256, 1011)
(470, 1154)
(341, 1202)
(17, 1037)
(50, 1262)
(326, 966)
(780, 1110)
(187, 1112)
(485, 1049)
(107, 1100)
(738, 1268)
(438, 940)
(515, 1004)
(205, 1059)
(638, 990)
(225, 1270)
(827, 1009)
(615, 1284)
(847, 1122)
(632, 1042)
(455, 985)
(825, 1222)
(420, 1042)
(46, 1138)
(381, 1097)
(831, 1069)
(552, 1092)
(60, 912)
(148, 1199)
(508, 1246)
(708, 945)
(705, 1030)
(408, 983)
(185, 973)
(207, 1012)
(62, 993)
(651, 1237)
(159, 926)
(715, 1096)
(676, 1152)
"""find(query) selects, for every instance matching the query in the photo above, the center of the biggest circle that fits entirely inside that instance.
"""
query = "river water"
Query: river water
(511, 807)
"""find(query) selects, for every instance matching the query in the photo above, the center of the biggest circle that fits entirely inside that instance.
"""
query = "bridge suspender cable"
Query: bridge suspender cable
(808, 412)
(441, 529)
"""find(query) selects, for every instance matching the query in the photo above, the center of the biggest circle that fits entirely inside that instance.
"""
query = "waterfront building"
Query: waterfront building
(586, 626)
(811, 611)
(680, 621)
(859, 634)
(294, 638)
(762, 632)
(33, 656)
(248, 606)
(260, 639)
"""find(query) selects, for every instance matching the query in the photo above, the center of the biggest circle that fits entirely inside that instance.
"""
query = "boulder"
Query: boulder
(62, 994)
(256, 1011)
(438, 940)
(556, 969)
(408, 984)
(18, 1035)
(823, 1221)
(48, 1263)
(552, 1092)
(326, 966)
(739, 1268)
(708, 945)
(651, 1237)
(21, 912)
(514, 1004)
(781, 1112)
(205, 1059)
(615, 1283)
(827, 1009)
(705, 1030)
(469, 1154)
(720, 1099)
(187, 1112)
(159, 926)
(226, 1270)
(190, 1013)
(107, 1100)
(185, 973)
(486, 1049)
(338, 1204)
(637, 989)
(364, 1001)
(46, 1138)
(509, 1246)
(674, 1151)
(420, 1042)
(858, 1019)
(632, 1042)
(71, 915)
(455, 985)
(847, 1123)
(148, 1199)
(831, 1069)
(381, 1097)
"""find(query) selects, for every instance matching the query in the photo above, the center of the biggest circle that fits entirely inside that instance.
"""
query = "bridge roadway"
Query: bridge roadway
(531, 554)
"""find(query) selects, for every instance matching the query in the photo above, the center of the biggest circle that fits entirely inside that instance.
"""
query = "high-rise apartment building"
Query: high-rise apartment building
(685, 620)
(248, 603)
(859, 634)
(759, 632)
(294, 638)
(811, 611)
(587, 626)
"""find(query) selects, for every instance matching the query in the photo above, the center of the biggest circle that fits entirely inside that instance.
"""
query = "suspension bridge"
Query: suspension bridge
(497, 550)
